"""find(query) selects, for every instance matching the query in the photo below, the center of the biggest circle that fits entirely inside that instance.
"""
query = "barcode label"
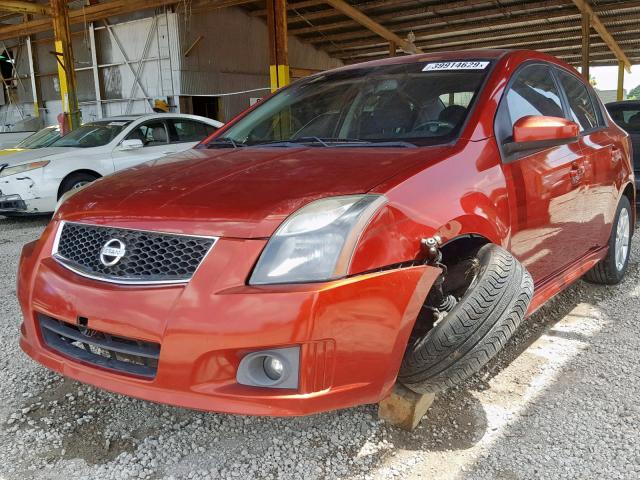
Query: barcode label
(469, 65)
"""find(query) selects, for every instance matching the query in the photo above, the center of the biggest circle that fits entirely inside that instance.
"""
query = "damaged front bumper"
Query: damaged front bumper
(22, 194)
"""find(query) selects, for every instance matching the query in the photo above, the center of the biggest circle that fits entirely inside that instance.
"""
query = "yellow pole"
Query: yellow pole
(620, 92)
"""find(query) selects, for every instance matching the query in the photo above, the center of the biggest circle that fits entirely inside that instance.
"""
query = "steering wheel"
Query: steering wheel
(433, 125)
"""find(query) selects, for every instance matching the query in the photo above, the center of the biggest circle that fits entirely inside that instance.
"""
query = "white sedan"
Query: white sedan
(31, 182)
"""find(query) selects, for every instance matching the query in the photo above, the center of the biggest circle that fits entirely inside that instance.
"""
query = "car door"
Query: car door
(185, 133)
(545, 186)
(155, 143)
(602, 158)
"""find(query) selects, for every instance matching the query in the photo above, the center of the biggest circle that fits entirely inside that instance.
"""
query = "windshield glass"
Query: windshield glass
(41, 139)
(91, 135)
(422, 103)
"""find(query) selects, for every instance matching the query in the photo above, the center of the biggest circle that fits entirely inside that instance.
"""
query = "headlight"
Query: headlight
(66, 196)
(25, 167)
(316, 243)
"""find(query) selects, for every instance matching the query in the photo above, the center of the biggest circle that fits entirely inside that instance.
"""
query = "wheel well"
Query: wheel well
(629, 193)
(459, 248)
(88, 172)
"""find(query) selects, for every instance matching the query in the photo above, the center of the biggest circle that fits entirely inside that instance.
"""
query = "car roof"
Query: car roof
(624, 103)
(454, 55)
(141, 116)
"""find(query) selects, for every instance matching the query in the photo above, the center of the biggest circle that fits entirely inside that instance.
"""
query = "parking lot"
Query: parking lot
(559, 402)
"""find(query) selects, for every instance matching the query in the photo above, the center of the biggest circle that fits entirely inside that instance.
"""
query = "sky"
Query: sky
(607, 77)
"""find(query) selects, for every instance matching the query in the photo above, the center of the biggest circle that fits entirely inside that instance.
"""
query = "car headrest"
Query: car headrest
(452, 114)
(159, 134)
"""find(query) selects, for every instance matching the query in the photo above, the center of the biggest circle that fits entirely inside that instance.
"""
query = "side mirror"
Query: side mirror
(132, 144)
(534, 132)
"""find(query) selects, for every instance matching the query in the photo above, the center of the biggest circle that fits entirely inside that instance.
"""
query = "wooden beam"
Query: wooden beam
(278, 44)
(474, 22)
(66, 64)
(533, 42)
(290, 6)
(586, 41)
(449, 11)
(302, 72)
(489, 37)
(372, 25)
(599, 27)
(17, 6)
(620, 89)
(100, 11)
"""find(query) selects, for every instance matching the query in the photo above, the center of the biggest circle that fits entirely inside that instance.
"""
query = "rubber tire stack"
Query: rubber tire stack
(475, 330)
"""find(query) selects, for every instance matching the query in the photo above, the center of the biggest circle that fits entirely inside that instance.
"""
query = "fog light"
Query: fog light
(274, 368)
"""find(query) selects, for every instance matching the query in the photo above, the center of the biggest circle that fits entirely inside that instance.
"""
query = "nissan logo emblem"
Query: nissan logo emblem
(112, 252)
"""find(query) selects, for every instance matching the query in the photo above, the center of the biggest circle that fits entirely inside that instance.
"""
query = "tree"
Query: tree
(634, 93)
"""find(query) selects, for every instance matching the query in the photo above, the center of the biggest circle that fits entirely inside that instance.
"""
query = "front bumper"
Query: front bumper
(26, 194)
(352, 333)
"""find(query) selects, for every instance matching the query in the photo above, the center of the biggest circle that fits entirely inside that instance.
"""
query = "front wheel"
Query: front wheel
(74, 181)
(611, 269)
(475, 330)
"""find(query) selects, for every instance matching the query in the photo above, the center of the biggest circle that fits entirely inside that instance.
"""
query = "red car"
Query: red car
(388, 221)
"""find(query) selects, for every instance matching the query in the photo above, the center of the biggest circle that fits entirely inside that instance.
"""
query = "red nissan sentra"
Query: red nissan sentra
(388, 221)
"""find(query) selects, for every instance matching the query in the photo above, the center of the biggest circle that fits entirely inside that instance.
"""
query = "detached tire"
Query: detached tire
(475, 330)
(611, 269)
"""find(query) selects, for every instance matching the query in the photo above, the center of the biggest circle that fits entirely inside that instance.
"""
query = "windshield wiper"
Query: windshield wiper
(323, 141)
(224, 142)
(390, 143)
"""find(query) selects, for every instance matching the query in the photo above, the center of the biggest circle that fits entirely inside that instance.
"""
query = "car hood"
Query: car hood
(242, 193)
(25, 156)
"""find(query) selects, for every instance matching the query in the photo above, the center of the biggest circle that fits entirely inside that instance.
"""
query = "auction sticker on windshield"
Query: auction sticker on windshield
(468, 65)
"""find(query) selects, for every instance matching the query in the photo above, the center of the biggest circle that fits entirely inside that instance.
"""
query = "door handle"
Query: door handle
(576, 173)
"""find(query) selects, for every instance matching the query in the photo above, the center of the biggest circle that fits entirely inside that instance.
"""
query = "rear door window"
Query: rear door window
(182, 130)
(580, 105)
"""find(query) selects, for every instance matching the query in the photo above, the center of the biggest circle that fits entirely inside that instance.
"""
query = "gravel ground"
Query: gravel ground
(559, 402)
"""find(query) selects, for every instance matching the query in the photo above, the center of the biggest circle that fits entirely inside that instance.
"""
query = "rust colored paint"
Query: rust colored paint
(552, 208)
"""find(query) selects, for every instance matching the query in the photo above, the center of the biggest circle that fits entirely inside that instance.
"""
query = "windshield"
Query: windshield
(41, 139)
(419, 103)
(91, 135)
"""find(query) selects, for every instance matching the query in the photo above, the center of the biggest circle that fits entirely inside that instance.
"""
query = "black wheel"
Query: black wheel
(478, 326)
(76, 180)
(611, 269)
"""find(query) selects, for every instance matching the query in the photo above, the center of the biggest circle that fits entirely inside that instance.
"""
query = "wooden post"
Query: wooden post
(392, 49)
(586, 37)
(278, 45)
(34, 84)
(620, 92)
(65, 60)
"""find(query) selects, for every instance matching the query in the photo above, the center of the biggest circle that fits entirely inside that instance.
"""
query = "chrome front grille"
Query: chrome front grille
(119, 255)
